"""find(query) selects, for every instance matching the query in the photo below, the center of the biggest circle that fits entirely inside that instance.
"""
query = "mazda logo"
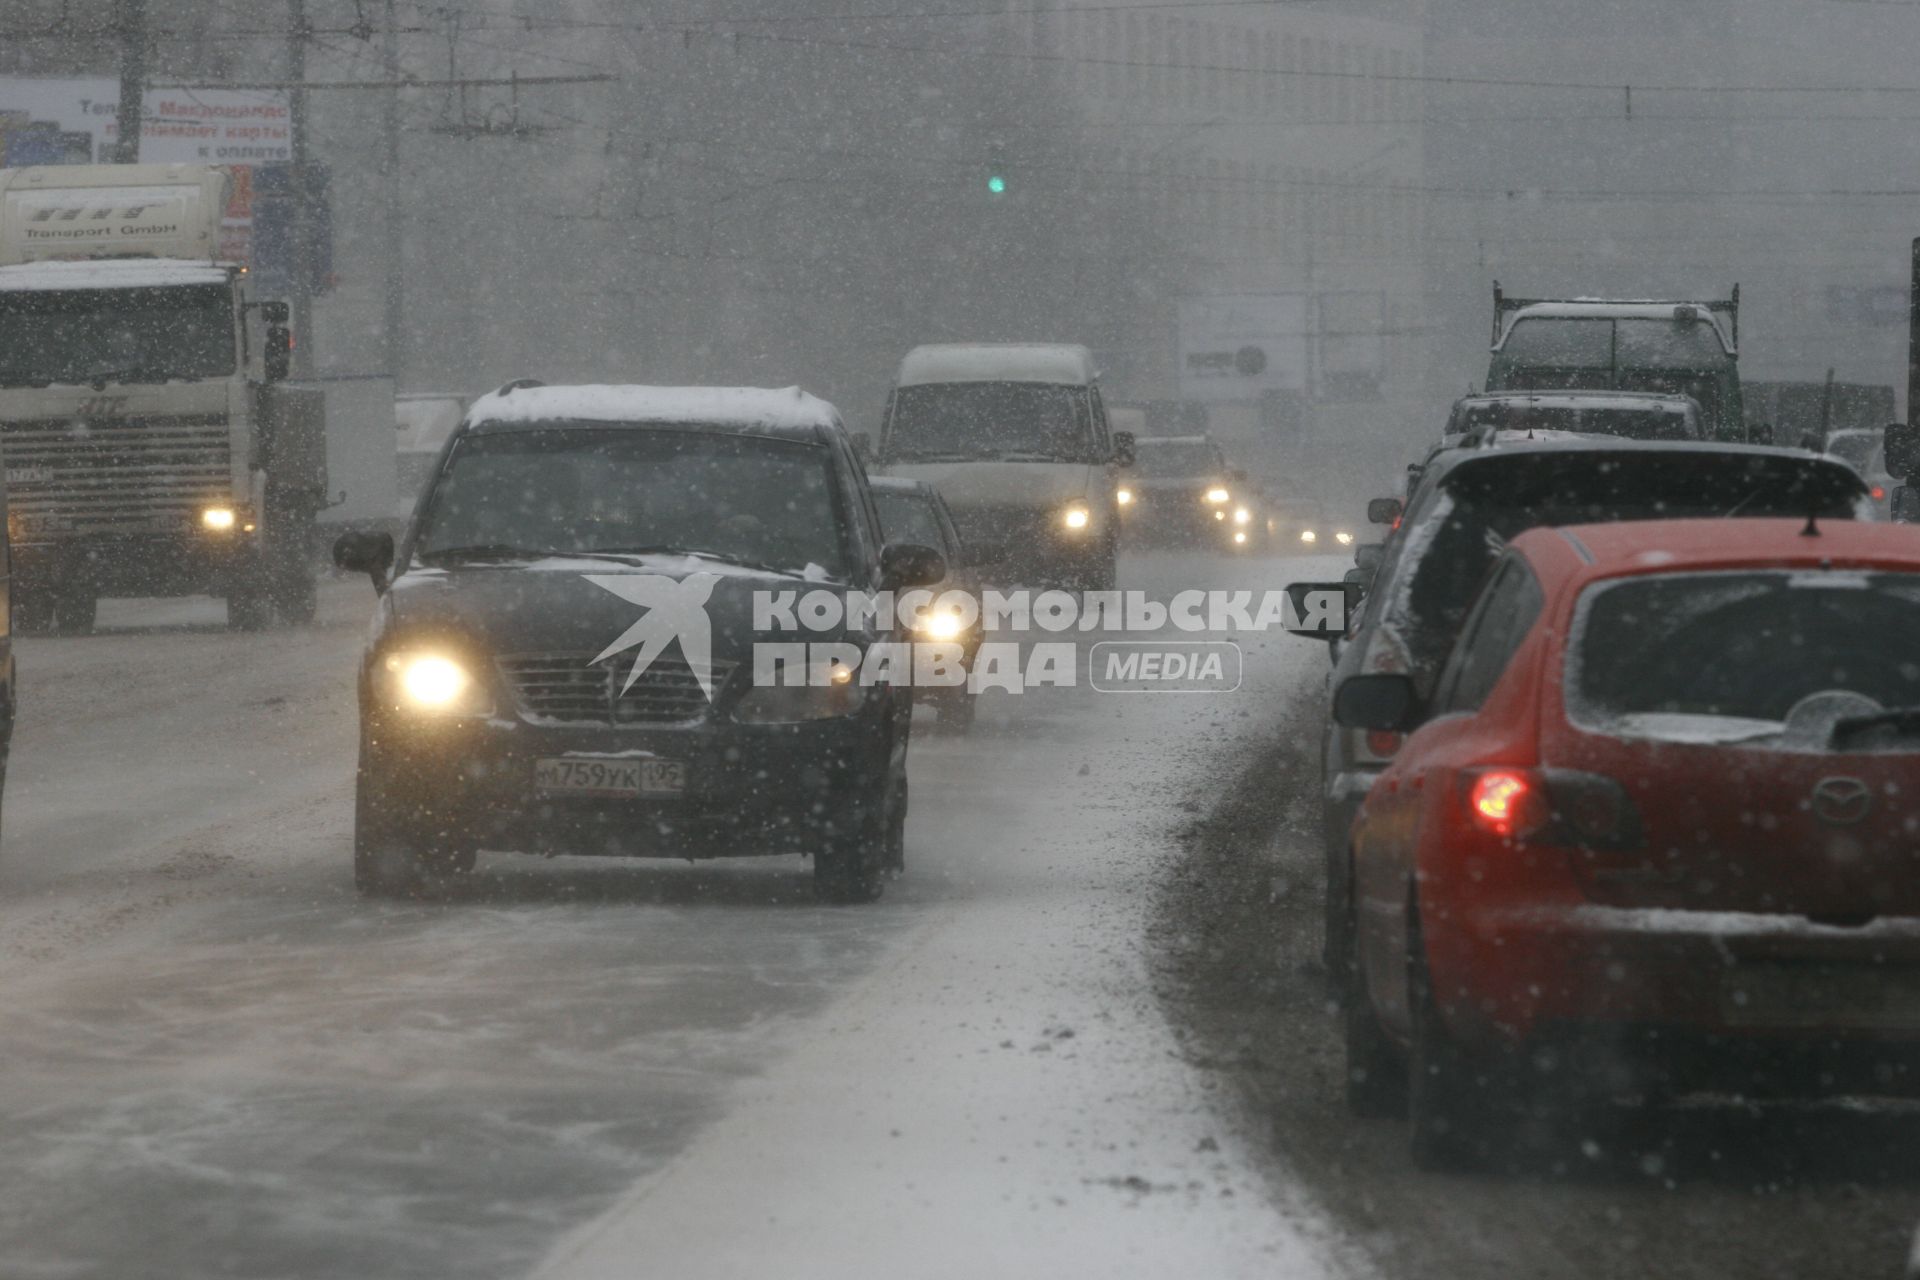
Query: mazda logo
(1841, 802)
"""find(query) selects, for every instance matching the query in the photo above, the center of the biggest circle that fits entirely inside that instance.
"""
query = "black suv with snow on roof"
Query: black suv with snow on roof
(1467, 505)
(562, 655)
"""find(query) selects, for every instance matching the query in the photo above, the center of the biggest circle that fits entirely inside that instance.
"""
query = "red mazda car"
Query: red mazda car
(1657, 833)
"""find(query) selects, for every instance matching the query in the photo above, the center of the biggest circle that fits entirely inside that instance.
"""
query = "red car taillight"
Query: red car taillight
(1551, 806)
(1879, 494)
(1507, 802)
(1384, 742)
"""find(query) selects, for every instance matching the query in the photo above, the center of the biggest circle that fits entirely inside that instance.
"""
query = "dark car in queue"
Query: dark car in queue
(1653, 835)
(1183, 493)
(913, 511)
(563, 654)
(1468, 505)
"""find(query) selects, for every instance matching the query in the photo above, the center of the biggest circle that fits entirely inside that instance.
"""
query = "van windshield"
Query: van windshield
(990, 421)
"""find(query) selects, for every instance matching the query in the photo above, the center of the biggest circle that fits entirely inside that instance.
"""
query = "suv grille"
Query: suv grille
(569, 688)
(123, 475)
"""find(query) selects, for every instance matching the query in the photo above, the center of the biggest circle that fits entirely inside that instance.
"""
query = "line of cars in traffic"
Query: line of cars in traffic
(1618, 775)
(565, 653)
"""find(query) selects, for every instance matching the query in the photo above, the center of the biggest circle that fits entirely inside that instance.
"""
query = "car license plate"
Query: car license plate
(604, 776)
(1816, 996)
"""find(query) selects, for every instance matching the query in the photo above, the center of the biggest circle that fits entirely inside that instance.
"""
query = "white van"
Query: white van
(1016, 439)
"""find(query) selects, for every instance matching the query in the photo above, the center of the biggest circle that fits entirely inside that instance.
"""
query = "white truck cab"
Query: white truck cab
(149, 448)
(1016, 439)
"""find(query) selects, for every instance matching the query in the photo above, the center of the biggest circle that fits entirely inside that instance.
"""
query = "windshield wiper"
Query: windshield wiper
(1035, 456)
(1902, 720)
(669, 549)
(484, 551)
(948, 456)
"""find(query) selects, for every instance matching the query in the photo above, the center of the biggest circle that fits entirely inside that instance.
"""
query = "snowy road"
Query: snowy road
(218, 1060)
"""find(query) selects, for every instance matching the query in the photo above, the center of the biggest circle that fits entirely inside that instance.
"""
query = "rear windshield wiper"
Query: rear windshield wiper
(1902, 720)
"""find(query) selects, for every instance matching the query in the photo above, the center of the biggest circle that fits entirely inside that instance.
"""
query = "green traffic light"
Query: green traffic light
(997, 184)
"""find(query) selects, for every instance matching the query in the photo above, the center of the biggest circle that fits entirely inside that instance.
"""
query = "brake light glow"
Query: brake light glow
(1879, 493)
(1507, 802)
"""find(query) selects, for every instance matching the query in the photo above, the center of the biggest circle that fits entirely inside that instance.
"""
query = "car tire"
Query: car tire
(33, 613)
(392, 857)
(74, 611)
(1453, 1099)
(850, 866)
(956, 713)
(1376, 1080)
(1337, 933)
(249, 608)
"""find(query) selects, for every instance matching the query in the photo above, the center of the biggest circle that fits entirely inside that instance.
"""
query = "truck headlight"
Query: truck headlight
(841, 695)
(1217, 495)
(1344, 539)
(432, 683)
(1308, 535)
(218, 519)
(1076, 517)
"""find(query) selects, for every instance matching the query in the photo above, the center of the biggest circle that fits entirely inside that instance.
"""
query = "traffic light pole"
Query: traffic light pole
(301, 278)
(130, 20)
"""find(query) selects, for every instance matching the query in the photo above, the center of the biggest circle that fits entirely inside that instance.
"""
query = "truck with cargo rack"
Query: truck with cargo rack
(150, 445)
(1600, 344)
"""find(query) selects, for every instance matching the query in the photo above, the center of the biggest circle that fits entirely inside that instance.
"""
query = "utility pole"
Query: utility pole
(301, 278)
(394, 324)
(130, 20)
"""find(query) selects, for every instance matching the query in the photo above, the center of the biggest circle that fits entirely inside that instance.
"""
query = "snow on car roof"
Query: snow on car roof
(1153, 441)
(1603, 550)
(110, 273)
(996, 362)
(1646, 401)
(1600, 309)
(786, 411)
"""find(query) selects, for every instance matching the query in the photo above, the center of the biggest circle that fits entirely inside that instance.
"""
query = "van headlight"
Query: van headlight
(431, 683)
(840, 695)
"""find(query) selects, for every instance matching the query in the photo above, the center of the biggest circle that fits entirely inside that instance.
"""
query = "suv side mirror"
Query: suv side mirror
(1123, 448)
(365, 552)
(1902, 448)
(1385, 702)
(910, 564)
(1385, 510)
(1370, 556)
(278, 355)
(1321, 610)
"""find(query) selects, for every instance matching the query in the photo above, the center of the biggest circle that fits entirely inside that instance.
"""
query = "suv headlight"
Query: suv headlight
(1076, 517)
(840, 695)
(429, 682)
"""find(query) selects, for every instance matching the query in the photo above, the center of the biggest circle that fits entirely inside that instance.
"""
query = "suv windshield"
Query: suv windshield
(571, 489)
(1177, 461)
(87, 335)
(973, 421)
(1740, 646)
(1482, 505)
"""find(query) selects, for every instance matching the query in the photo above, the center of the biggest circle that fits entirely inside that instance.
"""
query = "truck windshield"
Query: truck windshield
(577, 489)
(983, 421)
(115, 335)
